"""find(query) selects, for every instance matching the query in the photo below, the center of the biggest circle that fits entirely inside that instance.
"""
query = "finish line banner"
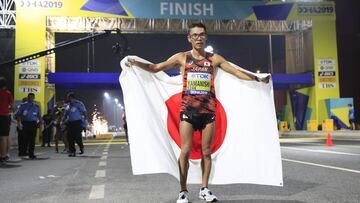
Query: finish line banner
(245, 148)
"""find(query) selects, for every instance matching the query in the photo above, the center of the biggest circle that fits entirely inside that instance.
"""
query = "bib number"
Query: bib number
(198, 83)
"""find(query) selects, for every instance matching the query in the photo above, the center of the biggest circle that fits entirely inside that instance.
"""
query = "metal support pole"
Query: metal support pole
(270, 55)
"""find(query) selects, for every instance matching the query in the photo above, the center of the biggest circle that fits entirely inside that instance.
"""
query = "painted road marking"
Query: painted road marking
(92, 144)
(100, 174)
(310, 139)
(97, 192)
(106, 149)
(321, 151)
(320, 165)
(105, 153)
(103, 158)
(322, 144)
(102, 163)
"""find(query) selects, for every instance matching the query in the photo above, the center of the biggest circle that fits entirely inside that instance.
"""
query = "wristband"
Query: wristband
(257, 79)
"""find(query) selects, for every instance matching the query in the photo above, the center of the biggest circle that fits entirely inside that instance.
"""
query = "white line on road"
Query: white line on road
(321, 151)
(106, 149)
(97, 192)
(103, 158)
(102, 163)
(100, 174)
(105, 153)
(322, 144)
(320, 165)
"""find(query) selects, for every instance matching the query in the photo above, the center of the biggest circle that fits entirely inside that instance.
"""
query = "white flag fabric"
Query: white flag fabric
(246, 145)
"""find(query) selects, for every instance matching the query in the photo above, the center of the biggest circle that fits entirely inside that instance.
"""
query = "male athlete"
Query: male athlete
(198, 105)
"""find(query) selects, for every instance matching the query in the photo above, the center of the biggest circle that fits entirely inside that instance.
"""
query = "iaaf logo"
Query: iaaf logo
(29, 70)
(29, 76)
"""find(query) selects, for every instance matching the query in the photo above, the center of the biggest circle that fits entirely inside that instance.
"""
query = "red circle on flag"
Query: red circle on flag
(173, 120)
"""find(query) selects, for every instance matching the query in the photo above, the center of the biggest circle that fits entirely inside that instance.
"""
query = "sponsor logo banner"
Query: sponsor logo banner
(29, 76)
(326, 65)
(29, 89)
(29, 83)
(31, 63)
(327, 85)
(327, 79)
(326, 73)
(29, 70)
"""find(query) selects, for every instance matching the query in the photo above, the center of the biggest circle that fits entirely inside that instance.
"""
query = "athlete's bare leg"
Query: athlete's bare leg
(206, 141)
(186, 132)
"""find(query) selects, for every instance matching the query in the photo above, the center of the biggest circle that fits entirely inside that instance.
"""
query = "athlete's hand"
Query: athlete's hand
(130, 62)
(265, 79)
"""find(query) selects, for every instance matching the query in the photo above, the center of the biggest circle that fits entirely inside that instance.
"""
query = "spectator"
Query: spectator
(351, 117)
(125, 128)
(6, 105)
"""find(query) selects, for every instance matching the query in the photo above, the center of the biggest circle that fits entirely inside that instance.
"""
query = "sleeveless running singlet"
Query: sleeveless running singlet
(198, 95)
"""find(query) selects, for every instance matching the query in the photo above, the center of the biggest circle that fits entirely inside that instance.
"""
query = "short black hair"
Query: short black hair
(198, 24)
(71, 94)
(31, 94)
(2, 82)
(350, 105)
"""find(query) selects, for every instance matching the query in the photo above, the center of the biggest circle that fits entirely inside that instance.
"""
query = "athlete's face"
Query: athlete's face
(197, 37)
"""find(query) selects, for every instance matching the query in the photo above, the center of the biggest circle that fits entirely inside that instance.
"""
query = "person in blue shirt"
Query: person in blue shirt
(29, 119)
(74, 113)
(351, 117)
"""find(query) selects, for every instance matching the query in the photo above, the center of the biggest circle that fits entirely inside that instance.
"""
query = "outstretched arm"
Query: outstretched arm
(170, 63)
(226, 66)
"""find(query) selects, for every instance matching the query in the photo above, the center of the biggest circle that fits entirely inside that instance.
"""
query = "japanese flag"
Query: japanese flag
(246, 145)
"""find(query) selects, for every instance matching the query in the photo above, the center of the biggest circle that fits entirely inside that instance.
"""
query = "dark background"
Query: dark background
(249, 51)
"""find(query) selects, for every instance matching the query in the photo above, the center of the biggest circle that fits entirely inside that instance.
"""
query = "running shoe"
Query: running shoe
(183, 197)
(207, 195)
(7, 159)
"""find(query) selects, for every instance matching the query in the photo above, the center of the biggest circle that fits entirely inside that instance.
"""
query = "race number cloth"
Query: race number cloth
(246, 145)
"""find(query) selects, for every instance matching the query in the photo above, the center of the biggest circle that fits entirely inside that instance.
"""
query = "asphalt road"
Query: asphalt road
(312, 173)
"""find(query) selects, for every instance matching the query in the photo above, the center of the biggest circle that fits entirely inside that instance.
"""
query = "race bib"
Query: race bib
(198, 83)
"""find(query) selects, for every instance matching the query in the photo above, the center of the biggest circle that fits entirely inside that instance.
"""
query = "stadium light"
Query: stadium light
(209, 49)
(106, 95)
(116, 100)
